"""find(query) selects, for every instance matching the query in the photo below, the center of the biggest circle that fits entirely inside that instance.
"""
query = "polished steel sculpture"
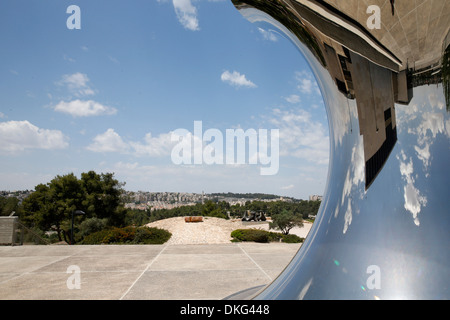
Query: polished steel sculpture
(383, 228)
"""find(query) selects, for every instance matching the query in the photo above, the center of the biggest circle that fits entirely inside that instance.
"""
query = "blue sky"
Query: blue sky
(106, 97)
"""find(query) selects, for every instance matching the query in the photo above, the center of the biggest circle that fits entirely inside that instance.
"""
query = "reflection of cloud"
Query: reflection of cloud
(347, 217)
(425, 127)
(433, 122)
(306, 82)
(423, 154)
(268, 35)
(413, 200)
(354, 179)
(422, 122)
(447, 127)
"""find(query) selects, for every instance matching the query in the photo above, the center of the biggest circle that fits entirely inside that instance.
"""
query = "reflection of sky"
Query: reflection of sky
(399, 224)
(424, 129)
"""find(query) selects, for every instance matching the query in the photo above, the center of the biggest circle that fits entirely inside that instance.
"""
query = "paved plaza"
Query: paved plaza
(151, 272)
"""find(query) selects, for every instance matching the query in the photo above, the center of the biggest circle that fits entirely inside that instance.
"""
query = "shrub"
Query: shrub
(92, 225)
(96, 237)
(148, 235)
(257, 235)
(292, 238)
(140, 235)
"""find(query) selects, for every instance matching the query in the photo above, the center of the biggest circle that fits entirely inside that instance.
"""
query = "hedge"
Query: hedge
(257, 235)
(128, 235)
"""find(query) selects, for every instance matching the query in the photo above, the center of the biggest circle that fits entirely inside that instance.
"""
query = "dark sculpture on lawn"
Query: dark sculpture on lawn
(254, 216)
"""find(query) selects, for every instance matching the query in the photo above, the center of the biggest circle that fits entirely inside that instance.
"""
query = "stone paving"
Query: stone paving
(151, 272)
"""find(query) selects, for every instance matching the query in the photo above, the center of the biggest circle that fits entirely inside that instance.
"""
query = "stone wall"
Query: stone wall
(7, 229)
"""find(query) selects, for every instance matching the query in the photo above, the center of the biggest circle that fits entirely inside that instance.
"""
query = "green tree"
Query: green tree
(285, 221)
(51, 206)
(8, 205)
(102, 196)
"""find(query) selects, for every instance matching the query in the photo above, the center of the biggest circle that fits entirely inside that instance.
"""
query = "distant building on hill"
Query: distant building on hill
(315, 198)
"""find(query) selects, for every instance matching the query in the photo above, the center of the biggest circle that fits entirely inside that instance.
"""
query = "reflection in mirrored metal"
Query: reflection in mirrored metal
(383, 228)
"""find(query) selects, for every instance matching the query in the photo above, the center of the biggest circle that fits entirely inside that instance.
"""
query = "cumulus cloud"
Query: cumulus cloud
(293, 98)
(84, 108)
(186, 14)
(109, 141)
(236, 79)
(160, 145)
(17, 136)
(77, 84)
(301, 136)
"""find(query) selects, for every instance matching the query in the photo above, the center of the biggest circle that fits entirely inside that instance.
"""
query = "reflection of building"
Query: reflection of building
(367, 72)
(356, 227)
(374, 91)
(361, 65)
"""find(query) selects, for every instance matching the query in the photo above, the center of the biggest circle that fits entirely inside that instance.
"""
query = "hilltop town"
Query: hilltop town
(143, 200)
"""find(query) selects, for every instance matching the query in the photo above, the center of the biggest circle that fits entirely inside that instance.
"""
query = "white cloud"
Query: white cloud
(109, 141)
(154, 146)
(16, 136)
(268, 35)
(413, 199)
(293, 98)
(77, 84)
(306, 82)
(301, 136)
(84, 108)
(236, 79)
(353, 181)
(186, 14)
(305, 85)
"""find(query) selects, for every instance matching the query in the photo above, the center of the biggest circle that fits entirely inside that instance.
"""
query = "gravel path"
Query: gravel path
(212, 230)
